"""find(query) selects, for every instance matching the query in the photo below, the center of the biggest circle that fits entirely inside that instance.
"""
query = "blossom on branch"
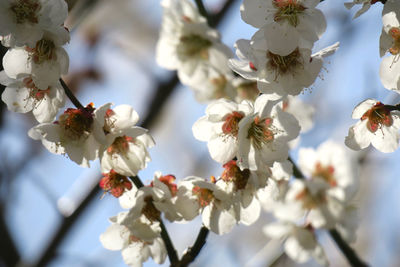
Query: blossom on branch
(22, 95)
(77, 133)
(126, 145)
(23, 22)
(134, 250)
(378, 125)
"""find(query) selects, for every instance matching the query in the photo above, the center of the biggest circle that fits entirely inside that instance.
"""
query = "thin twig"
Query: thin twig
(202, 9)
(71, 95)
(193, 251)
(347, 251)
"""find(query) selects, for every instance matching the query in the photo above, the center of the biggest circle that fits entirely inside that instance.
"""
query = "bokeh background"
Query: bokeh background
(51, 211)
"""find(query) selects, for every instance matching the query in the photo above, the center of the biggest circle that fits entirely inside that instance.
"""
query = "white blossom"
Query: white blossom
(126, 144)
(301, 243)
(390, 42)
(21, 95)
(378, 125)
(219, 128)
(264, 134)
(23, 22)
(277, 74)
(187, 44)
(77, 133)
(293, 20)
(45, 62)
(196, 195)
(134, 250)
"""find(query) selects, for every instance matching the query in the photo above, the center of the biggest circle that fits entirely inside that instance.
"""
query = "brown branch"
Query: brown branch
(193, 251)
(347, 251)
(71, 95)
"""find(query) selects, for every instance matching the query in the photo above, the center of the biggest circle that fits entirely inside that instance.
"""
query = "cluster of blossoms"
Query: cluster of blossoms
(190, 46)
(379, 123)
(34, 32)
(251, 122)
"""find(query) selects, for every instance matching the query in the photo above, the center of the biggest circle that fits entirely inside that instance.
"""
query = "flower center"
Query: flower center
(44, 50)
(76, 122)
(194, 46)
(204, 195)
(231, 124)
(115, 183)
(284, 64)
(26, 11)
(120, 145)
(310, 201)
(288, 10)
(326, 173)
(377, 116)
(260, 132)
(232, 173)
(35, 93)
(395, 33)
(149, 210)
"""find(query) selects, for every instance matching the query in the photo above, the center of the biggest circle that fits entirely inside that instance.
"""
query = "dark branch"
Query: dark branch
(347, 251)
(71, 95)
(296, 171)
(202, 9)
(193, 251)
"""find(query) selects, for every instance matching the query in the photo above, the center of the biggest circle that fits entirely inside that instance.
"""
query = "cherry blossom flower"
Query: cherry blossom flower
(214, 84)
(134, 250)
(331, 163)
(77, 133)
(21, 95)
(277, 74)
(23, 22)
(196, 195)
(378, 125)
(242, 187)
(292, 19)
(126, 144)
(220, 127)
(300, 241)
(390, 42)
(264, 134)
(187, 44)
(45, 62)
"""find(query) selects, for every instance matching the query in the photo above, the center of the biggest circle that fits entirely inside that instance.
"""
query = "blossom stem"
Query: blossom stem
(193, 251)
(71, 95)
(202, 9)
(172, 255)
(348, 252)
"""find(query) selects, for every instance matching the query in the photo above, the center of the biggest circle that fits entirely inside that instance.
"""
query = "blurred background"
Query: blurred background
(51, 211)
